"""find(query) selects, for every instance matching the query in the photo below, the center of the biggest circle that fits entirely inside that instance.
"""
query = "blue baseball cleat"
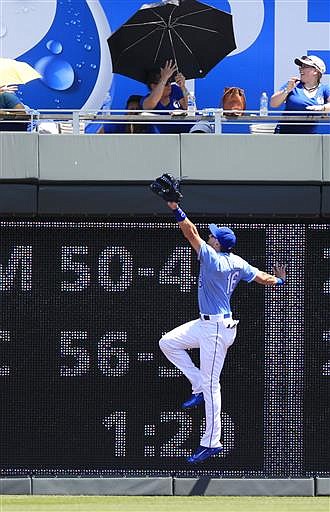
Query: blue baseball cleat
(193, 401)
(202, 453)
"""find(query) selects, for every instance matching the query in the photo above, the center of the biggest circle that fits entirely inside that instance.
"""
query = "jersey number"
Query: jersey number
(232, 281)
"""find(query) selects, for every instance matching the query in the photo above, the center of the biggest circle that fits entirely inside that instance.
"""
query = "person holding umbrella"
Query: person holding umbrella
(166, 96)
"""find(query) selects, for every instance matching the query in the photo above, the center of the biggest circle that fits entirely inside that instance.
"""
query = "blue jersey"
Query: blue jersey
(297, 100)
(219, 275)
(174, 104)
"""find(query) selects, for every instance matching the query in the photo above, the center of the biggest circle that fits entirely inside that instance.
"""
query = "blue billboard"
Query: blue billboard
(66, 41)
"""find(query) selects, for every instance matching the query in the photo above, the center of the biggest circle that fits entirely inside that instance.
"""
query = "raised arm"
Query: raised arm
(188, 229)
(280, 96)
(156, 93)
(278, 278)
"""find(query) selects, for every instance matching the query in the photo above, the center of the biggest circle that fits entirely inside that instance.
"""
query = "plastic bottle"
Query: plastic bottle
(191, 104)
(264, 104)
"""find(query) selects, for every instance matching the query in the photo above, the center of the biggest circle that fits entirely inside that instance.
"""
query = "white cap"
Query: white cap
(313, 61)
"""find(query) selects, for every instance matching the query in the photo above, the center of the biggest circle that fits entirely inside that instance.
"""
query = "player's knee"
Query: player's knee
(164, 343)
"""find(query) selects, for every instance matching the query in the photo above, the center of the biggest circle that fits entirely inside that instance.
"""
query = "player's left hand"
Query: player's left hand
(280, 271)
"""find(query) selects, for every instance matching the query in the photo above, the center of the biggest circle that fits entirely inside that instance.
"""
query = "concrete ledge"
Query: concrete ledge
(243, 487)
(104, 486)
(253, 199)
(322, 486)
(98, 200)
(15, 486)
(18, 199)
(325, 203)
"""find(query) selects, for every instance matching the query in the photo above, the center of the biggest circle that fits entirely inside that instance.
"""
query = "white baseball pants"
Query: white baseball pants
(213, 339)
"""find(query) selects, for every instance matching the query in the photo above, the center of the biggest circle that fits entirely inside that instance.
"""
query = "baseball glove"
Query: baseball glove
(167, 187)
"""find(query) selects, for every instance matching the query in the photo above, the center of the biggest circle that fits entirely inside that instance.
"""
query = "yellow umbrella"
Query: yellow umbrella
(16, 72)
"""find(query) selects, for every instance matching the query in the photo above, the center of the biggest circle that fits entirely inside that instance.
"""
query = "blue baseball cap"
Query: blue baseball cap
(225, 236)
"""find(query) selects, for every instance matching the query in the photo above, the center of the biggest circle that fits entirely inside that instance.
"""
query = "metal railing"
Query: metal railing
(216, 117)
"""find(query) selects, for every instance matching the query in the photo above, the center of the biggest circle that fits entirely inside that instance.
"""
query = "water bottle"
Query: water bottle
(264, 104)
(191, 104)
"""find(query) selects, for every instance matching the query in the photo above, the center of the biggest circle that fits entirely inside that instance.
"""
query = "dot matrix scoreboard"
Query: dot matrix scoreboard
(84, 388)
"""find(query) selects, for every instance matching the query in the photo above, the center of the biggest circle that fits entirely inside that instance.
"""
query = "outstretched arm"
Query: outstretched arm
(272, 280)
(188, 229)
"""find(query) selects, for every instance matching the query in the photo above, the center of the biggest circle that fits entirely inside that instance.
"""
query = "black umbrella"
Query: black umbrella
(194, 35)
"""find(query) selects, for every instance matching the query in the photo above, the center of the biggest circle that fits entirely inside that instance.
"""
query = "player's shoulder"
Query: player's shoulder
(237, 260)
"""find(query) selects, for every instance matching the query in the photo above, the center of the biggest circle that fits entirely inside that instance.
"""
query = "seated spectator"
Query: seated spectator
(164, 95)
(133, 103)
(234, 99)
(8, 98)
(202, 127)
(9, 101)
(305, 92)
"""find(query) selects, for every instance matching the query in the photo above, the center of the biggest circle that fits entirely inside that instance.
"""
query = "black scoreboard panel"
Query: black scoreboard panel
(317, 350)
(84, 388)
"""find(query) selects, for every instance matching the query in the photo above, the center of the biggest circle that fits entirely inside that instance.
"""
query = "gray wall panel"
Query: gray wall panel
(18, 155)
(243, 487)
(15, 486)
(246, 157)
(108, 157)
(104, 486)
(323, 487)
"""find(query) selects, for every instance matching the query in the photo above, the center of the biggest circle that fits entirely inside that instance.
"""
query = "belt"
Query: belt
(215, 318)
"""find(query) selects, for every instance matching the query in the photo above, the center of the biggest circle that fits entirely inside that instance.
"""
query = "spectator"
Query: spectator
(304, 93)
(202, 127)
(9, 101)
(133, 103)
(166, 96)
(8, 98)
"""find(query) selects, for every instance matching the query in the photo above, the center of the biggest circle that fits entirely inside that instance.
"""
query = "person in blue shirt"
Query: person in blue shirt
(164, 95)
(215, 330)
(133, 104)
(8, 98)
(303, 93)
(9, 101)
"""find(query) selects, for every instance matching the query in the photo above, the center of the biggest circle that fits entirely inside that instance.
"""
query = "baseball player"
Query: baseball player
(215, 329)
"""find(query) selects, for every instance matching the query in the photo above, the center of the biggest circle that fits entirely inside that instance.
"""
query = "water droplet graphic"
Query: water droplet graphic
(54, 46)
(56, 73)
(3, 30)
(56, 100)
(87, 47)
(78, 65)
(93, 66)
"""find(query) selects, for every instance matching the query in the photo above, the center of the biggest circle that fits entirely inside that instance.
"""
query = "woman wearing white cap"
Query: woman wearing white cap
(304, 93)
